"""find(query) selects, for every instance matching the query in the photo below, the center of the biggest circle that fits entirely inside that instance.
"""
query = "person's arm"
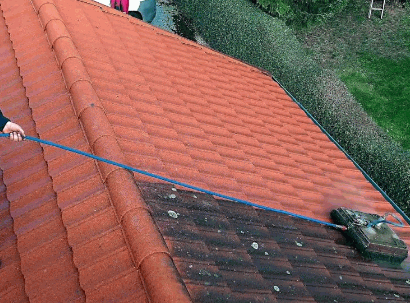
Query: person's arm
(3, 120)
(8, 127)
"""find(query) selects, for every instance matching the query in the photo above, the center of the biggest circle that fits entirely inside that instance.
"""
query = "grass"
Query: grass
(384, 92)
(372, 57)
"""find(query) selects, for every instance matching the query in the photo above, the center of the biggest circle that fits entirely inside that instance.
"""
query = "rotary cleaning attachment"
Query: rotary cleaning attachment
(372, 235)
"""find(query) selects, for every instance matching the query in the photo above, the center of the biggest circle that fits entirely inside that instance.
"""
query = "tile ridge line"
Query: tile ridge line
(145, 243)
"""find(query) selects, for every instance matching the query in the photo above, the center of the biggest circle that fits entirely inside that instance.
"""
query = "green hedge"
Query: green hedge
(302, 12)
(240, 29)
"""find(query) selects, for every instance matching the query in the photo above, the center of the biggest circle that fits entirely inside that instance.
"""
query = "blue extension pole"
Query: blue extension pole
(142, 172)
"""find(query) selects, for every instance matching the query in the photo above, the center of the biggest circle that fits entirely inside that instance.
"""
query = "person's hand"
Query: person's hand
(15, 131)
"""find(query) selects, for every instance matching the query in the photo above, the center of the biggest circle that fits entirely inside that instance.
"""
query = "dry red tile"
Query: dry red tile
(98, 247)
(111, 265)
(92, 204)
(80, 190)
(89, 228)
(9, 276)
(127, 287)
(50, 251)
(64, 179)
(35, 217)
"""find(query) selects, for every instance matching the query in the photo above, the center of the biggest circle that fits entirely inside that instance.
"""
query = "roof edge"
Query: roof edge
(146, 244)
(368, 178)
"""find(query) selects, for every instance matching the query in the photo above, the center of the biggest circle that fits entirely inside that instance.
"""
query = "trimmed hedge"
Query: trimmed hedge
(302, 12)
(240, 29)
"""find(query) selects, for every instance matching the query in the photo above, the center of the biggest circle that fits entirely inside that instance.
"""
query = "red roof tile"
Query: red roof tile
(89, 77)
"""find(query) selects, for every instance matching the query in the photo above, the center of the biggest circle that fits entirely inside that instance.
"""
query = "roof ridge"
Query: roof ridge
(148, 249)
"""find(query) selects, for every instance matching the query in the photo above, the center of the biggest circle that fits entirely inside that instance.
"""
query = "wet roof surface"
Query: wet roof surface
(89, 77)
(227, 252)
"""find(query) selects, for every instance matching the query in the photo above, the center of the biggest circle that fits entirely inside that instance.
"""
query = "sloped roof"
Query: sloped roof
(83, 75)
(227, 252)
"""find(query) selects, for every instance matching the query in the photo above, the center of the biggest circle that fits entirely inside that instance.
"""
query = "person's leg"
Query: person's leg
(148, 10)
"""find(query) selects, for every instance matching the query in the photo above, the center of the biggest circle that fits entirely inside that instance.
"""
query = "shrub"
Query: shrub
(302, 12)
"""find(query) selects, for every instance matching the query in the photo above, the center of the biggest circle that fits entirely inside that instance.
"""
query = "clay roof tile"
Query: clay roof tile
(87, 76)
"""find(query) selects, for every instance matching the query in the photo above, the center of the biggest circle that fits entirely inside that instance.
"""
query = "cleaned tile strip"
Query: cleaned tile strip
(37, 217)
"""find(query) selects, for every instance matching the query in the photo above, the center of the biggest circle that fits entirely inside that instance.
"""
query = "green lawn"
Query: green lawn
(372, 57)
(383, 89)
